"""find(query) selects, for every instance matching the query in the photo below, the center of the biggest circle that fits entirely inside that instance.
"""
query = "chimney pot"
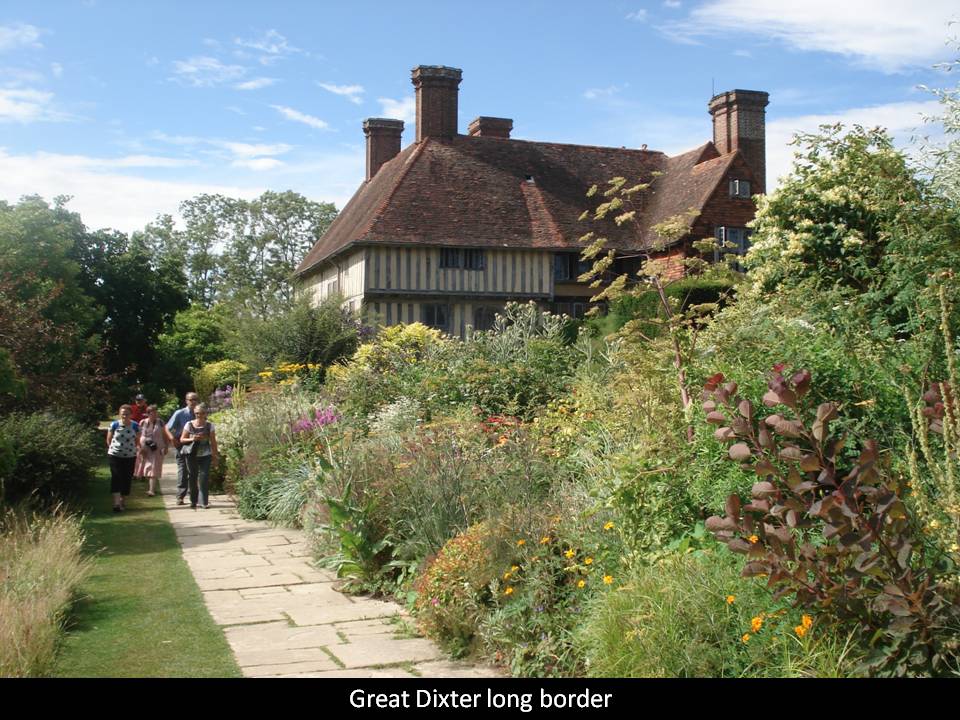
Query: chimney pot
(437, 90)
(491, 127)
(739, 123)
(383, 142)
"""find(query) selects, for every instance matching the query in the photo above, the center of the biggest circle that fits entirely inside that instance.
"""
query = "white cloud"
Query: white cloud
(27, 106)
(672, 3)
(273, 45)
(206, 71)
(597, 93)
(637, 16)
(351, 92)
(258, 163)
(18, 76)
(256, 83)
(249, 150)
(56, 69)
(902, 120)
(96, 183)
(886, 35)
(405, 109)
(19, 35)
(300, 117)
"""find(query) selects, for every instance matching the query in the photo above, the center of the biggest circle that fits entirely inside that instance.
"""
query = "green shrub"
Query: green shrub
(694, 616)
(54, 456)
(219, 374)
(645, 307)
(41, 567)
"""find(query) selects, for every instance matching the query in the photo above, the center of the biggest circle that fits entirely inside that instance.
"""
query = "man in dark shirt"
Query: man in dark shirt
(139, 412)
(175, 425)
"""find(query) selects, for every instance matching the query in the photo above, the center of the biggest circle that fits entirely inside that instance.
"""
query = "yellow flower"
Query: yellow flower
(508, 591)
(745, 638)
(588, 561)
(514, 568)
(608, 579)
(569, 553)
(753, 539)
(756, 623)
(545, 539)
(582, 583)
(806, 621)
(506, 576)
(608, 526)
(800, 630)
(731, 599)
(521, 543)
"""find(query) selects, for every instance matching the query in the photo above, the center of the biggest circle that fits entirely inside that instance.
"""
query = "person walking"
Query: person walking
(199, 445)
(175, 426)
(123, 440)
(138, 412)
(155, 440)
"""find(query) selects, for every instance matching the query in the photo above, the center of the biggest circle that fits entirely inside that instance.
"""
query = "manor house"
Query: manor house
(448, 229)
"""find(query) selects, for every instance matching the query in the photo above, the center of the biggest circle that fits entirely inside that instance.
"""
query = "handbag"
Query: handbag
(187, 448)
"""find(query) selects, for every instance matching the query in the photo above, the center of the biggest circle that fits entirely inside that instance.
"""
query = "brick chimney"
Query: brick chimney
(383, 142)
(437, 88)
(739, 123)
(491, 127)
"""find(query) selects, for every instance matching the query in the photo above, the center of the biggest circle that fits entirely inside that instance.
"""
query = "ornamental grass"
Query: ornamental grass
(41, 566)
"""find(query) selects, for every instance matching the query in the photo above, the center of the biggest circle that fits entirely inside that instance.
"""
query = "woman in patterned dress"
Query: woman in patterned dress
(123, 439)
(155, 439)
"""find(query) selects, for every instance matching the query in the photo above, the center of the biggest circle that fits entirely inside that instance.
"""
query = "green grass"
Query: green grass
(140, 613)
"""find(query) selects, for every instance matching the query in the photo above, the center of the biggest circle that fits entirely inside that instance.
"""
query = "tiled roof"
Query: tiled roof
(492, 192)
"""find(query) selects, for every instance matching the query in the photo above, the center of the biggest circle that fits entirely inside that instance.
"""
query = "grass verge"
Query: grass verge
(41, 566)
(141, 613)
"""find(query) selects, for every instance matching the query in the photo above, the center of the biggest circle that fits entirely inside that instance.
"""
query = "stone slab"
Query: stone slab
(376, 651)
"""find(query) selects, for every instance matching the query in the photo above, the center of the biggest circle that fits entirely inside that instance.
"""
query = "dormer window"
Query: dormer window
(740, 188)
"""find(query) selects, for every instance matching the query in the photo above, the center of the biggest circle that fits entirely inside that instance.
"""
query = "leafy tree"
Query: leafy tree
(50, 361)
(139, 294)
(304, 334)
(194, 338)
(856, 226)
(37, 244)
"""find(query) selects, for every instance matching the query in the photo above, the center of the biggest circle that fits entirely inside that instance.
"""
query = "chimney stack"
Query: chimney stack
(491, 127)
(383, 142)
(739, 123)
(437, 88)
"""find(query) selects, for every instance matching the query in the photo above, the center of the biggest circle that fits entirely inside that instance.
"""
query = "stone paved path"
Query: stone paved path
(280, 614)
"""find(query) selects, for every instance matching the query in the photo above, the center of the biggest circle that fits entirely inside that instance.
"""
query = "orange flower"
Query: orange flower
(731, 599)
(508, 591)
(514, 568)
(756, 623)
(506, 576)
(745, 638)
(545, 539)
(753, 539)
(800, 630)
(806, 621)
(521, 543)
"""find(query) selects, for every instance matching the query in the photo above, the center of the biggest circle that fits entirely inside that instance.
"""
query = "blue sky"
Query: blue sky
(131, 107)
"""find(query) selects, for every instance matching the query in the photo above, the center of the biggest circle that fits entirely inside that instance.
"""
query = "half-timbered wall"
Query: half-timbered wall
(346, 277)
(513, 273)
(396, 310)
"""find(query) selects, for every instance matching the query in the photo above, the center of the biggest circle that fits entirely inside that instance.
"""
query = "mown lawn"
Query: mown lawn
(140, 613)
